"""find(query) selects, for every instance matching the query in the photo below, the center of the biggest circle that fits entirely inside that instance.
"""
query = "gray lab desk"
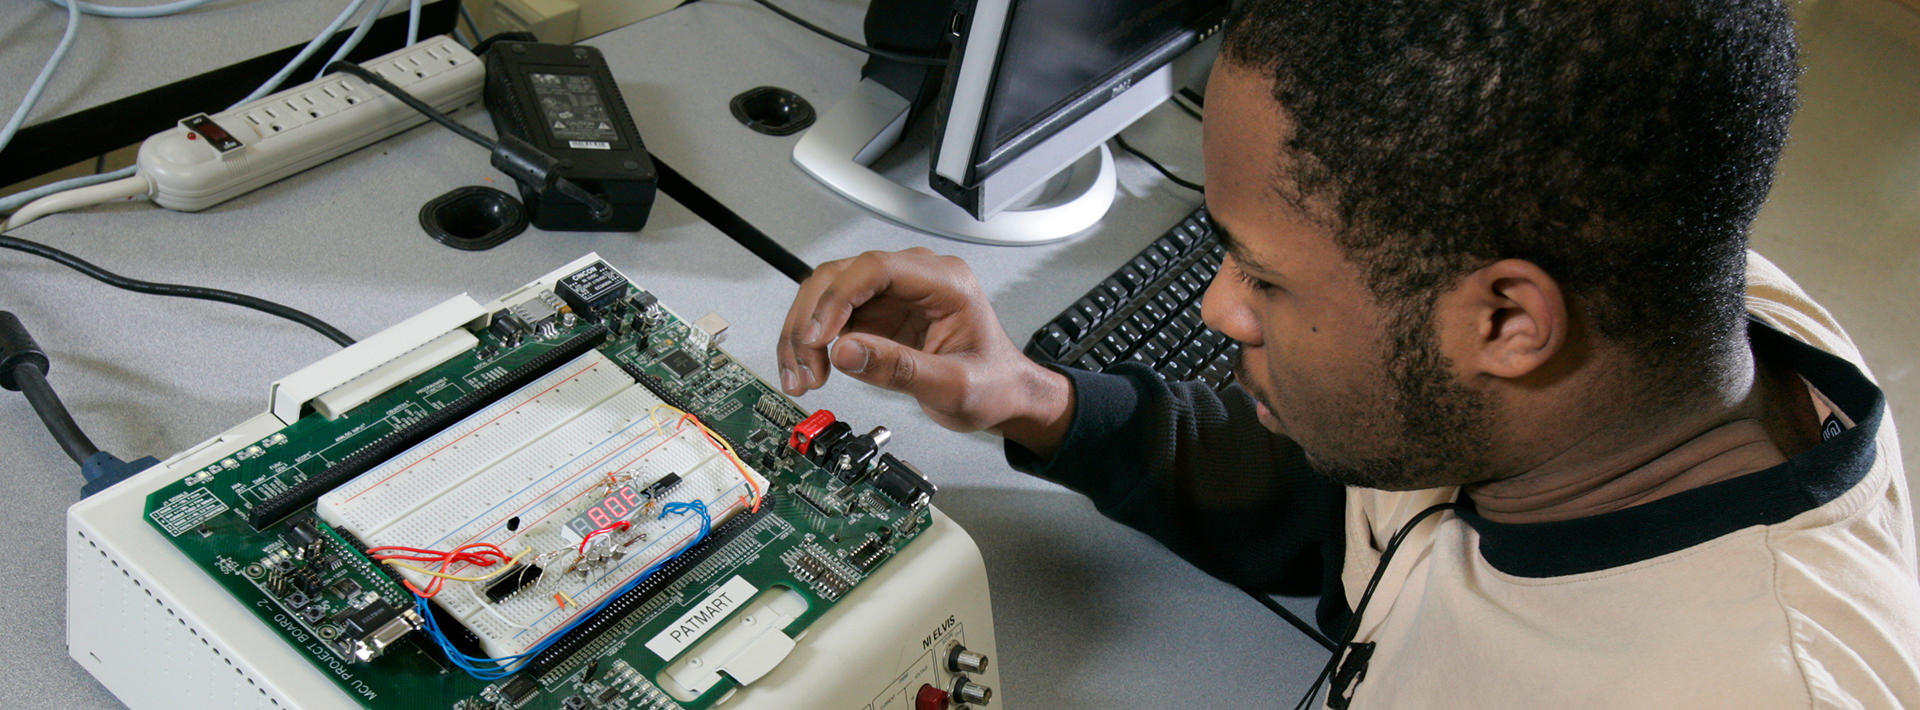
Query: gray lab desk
(1088, 614)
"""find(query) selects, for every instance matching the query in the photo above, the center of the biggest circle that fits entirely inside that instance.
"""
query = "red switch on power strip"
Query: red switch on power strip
(930, 698)
(808, 428)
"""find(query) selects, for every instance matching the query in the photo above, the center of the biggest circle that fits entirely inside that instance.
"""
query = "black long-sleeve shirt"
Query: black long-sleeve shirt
(1195, 470)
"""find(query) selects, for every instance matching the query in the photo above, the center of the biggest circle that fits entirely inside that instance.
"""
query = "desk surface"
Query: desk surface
(1089, 614)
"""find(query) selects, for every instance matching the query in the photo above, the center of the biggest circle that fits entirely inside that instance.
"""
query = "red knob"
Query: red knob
(930, 698)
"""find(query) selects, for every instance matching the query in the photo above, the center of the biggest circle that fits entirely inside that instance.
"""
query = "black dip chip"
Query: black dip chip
(591, 288)
(519, 690)
(681, 363)
(513, 581)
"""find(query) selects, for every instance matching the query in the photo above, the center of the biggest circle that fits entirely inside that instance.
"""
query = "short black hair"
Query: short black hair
(1624, 147)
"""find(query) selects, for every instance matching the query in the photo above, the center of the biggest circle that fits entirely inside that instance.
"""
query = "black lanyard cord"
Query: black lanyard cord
(1353, 622)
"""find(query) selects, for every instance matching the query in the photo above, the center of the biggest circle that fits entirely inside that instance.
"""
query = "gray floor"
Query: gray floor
(1844, 217)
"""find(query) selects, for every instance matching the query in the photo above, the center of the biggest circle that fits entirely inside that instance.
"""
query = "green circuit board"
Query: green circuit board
(248, 521)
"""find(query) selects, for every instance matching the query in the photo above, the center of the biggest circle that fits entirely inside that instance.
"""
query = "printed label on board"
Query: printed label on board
(702, 618)
(187, 510)
(589, 145)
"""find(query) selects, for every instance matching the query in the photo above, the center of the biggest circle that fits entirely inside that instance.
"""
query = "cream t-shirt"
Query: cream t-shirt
(1794, 587)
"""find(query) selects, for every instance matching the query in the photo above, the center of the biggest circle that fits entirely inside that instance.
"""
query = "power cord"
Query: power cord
(23, 369)
(176, 290)
(517, 158)
(856, 46)
(1177, 180)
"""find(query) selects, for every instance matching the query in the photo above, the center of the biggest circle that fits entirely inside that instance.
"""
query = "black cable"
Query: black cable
(517, 158)
(176, 290)
(411, 101)
(1177, 180)
(1189, 110)
(1353, 622)
(1291, 618)
(1194, 96)
(480, 47)
(23, 368)
(875, 51)
(33, 384)
(730, 223)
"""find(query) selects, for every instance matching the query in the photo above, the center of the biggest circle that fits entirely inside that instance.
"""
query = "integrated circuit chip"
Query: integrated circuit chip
(680, 363)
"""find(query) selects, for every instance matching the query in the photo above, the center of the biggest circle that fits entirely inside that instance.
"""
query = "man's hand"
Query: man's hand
(917, 323)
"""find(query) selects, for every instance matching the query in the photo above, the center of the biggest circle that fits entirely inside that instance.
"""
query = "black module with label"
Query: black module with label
(563, 100)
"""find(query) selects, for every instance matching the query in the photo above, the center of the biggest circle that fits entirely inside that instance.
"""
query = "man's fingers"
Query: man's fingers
(915, 275)
(802, 366)
(884, 363)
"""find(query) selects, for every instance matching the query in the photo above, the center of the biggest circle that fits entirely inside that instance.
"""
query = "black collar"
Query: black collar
(1685, 519)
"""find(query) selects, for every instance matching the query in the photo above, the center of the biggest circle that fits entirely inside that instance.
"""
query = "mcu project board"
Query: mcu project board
(571, 499)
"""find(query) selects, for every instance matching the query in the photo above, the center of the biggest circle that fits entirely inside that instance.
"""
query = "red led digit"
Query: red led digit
(598, 516)
(618, 508)
(632, 498)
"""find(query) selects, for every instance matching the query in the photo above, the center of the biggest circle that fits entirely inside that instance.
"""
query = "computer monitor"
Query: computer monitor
(1032, 90)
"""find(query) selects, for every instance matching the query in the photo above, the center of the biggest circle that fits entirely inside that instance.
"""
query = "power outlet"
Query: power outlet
(207, 160)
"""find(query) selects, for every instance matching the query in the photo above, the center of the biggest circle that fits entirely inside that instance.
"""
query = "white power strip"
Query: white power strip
(207, 160)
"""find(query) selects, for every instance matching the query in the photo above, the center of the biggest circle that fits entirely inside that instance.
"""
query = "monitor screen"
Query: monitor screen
(1058, 50)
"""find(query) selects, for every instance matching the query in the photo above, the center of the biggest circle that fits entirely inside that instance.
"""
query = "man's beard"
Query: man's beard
(1436, 431)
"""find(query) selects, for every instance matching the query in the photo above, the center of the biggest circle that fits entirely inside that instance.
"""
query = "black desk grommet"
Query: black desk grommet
(772, 110)
(473, 218)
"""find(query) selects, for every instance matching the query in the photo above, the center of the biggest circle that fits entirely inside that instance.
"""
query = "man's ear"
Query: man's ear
(1507, 319)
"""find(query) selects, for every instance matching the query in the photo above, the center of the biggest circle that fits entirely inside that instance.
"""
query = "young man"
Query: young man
(1517, 399)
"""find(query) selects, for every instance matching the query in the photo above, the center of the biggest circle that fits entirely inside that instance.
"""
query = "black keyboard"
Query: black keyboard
(1148, 311)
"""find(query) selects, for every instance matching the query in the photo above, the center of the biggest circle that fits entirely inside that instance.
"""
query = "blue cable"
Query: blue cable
(307, 52)
(506, 666)
(359, 33)
(413, 23)
(40, 82)
(163, 9)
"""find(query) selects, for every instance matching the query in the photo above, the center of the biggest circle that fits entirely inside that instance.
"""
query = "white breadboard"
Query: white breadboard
(576, 445)
(245, 147)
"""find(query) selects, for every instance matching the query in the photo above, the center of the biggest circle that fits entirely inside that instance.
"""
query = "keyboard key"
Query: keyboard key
(1158, 258)
(1217, 375)
(1129, 333)
(1076, 324)
(1169, 302)
(1182, 238)
(1154, 351)
(1155, 313)
(1103, 301)
(1052, 341)
(1090, 361)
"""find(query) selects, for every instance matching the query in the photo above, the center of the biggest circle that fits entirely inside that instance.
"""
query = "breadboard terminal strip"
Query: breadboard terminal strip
(306, 492)
(618, 609)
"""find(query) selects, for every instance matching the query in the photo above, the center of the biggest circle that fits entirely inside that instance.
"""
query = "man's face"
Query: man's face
(1362, 386)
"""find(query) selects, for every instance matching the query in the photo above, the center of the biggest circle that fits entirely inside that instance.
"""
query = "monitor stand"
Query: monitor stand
(843, 148)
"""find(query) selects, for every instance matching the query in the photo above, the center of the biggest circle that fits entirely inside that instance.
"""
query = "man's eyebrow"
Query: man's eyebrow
(1239, 250)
